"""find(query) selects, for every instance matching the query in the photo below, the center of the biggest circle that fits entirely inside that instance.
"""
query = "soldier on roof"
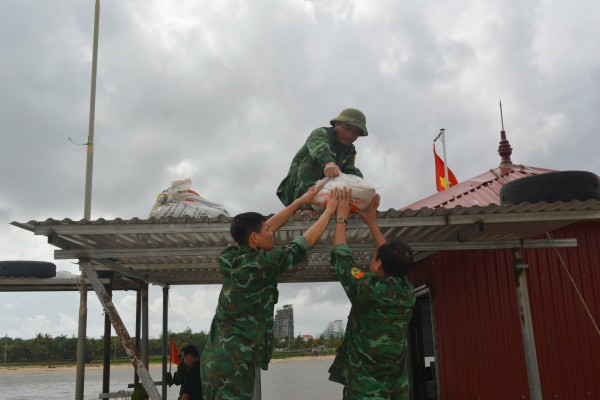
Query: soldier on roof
(327, 152)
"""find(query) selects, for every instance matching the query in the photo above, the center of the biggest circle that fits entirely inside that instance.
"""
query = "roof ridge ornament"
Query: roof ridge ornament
(504, 149)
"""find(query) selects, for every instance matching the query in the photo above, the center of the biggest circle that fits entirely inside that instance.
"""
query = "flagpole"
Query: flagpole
(170, 356)
(87, 206)
(441, 136)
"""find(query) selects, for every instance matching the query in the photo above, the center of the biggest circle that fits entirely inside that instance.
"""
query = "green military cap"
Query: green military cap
(353, 117)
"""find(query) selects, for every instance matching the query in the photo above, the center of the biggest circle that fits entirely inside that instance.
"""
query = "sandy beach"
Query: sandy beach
(7, 369)
(325, 357)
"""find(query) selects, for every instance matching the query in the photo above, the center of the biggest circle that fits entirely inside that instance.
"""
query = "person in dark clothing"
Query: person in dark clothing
(177, 377)
(191, 387)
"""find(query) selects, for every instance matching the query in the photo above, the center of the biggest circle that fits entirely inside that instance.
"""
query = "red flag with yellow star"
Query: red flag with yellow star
(440, 174)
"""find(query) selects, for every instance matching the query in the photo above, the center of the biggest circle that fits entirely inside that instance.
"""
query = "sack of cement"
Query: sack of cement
(362, 192)
(180, 200)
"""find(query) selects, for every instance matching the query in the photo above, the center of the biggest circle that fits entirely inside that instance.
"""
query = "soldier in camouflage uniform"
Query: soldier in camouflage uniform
(241, 334)
(327, 152)
(372, 361)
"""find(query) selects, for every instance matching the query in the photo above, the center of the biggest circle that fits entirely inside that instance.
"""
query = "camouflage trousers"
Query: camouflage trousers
(225, 377)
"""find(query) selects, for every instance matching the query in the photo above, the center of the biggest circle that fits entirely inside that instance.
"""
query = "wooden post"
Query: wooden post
(106, 348)
(165, 333)
(257, 393)
(533, 375)
(81, 338)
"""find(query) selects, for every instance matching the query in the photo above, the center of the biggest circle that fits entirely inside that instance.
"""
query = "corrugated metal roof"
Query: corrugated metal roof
(18, 284)
(482, 190)
(184, 251)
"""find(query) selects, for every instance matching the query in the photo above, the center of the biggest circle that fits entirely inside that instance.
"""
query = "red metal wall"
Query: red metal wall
(478, 335)
(567, 342)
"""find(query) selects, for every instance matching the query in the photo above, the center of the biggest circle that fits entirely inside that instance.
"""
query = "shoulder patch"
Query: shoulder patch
(356, 272)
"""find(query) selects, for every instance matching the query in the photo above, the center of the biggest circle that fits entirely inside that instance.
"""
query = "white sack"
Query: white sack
(362, 192)
(180, 200)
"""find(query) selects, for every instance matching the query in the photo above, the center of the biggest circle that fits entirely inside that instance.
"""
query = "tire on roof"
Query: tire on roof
(27, 269)
(551, 187)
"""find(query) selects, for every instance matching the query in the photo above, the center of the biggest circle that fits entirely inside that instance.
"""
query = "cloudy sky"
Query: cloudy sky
(225, 92)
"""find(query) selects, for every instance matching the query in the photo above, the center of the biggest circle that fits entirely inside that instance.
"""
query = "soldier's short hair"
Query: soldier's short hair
(191, 350)
(396, 257)
(244, 224)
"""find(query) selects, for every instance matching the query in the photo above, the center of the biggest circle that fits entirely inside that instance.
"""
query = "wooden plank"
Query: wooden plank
(120, 329)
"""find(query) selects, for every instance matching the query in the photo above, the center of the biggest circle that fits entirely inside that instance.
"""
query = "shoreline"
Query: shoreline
(5, 369)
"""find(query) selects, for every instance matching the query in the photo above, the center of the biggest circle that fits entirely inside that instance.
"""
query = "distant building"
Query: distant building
(306, 338)
(283, 326)
(335, 329)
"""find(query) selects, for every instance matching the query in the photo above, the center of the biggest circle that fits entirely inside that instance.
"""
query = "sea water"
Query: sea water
(294, 379)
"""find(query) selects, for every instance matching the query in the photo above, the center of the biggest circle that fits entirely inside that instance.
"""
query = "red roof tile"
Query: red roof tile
(481, 190)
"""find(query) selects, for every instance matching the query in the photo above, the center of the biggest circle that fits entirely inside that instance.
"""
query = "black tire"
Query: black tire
(27, 269)
(551, 187)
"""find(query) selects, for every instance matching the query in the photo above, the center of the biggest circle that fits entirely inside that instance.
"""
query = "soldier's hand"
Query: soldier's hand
(308, 197)
(343, 209)
(331, 170)
(332, 202)
(370, 214)
(169, 379)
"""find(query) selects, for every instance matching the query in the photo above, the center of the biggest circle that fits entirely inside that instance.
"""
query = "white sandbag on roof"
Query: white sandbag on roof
(362, 192)
(180, 200)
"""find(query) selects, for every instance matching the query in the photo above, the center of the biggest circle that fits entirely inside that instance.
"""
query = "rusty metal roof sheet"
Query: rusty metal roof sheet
(19, 284)
(479, 191)
(184, 251)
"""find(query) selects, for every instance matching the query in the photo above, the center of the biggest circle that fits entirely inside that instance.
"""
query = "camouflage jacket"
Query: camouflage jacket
(373, 356)
(308, 163)
(243, 323)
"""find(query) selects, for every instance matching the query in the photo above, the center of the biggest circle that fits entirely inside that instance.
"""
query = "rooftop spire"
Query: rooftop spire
(504, 148)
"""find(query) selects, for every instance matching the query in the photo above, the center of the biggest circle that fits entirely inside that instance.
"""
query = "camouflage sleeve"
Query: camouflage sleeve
(289, 255)
(352, 170)
(319, 146)
(348, 166)
(348, 273)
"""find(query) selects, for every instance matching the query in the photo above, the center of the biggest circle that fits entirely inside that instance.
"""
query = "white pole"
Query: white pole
(443, 139)
(90, 142)
(447, 180)
(87, 206)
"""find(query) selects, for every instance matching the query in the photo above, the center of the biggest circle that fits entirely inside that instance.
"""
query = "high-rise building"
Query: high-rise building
(284, 322)
(335, 329)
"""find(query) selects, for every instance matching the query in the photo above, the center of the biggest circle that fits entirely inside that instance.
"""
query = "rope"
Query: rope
(587, 310)
(79, 144)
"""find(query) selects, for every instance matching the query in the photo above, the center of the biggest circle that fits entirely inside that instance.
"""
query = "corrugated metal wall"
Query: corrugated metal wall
(479, 345)
(480, 355)
(568, 345)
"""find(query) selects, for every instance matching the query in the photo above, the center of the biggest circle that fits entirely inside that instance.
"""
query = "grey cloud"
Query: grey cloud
(233, 89)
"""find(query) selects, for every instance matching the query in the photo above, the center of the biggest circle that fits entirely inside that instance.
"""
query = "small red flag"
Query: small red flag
(440, 174)
(174, 353)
